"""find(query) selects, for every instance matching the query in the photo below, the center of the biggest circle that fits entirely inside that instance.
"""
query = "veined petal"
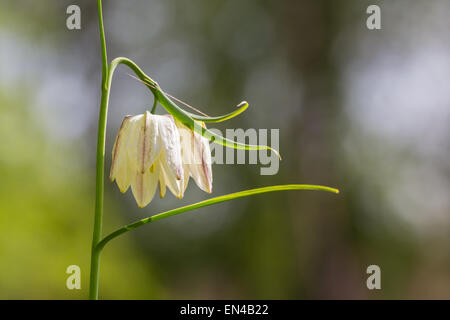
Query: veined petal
(185, 178)
(143, 146)
(144, 186)
(124, 176)
(187, 144)
(200, 167)
(149, 144)
(135, 137)
(168, 178)
(119, 153)
(170, 141)
(196, 156)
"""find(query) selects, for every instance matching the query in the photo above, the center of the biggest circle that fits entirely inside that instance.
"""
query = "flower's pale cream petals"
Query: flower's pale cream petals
(162, 179)
(149, 147)
(196, 156)
(151, 150)
(166, 175)
(124, 176)
(186, 142)
(119, 153)
(185, 178)
(200, 168)
(170, 141)
(134, 146)
(186, 155)
(144, 186)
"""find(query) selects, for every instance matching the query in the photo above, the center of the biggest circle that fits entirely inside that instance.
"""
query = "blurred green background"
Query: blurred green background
(365, 111)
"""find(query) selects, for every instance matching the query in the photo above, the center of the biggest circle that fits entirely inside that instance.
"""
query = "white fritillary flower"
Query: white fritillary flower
(147, 151)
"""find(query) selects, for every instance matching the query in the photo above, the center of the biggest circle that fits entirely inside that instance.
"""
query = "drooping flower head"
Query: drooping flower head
(154, 149)
(147, 151)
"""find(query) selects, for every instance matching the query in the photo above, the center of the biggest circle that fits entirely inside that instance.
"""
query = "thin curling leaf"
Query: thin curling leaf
(213, 137)
(209, 202)
(187, 120)
(241, 107)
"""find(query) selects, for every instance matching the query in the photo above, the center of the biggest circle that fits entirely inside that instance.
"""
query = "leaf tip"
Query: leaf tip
(242, 104)
(276, 152)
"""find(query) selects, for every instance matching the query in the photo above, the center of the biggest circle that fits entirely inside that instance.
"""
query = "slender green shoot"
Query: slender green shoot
(210, 202)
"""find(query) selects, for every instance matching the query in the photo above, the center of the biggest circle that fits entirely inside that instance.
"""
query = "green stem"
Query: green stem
(107, 74)
(99, 189)
(155, 103)
(103, 43)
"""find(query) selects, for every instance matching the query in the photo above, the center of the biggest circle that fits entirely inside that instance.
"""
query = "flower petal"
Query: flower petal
(144, 146)
(168, 178)
(124, 176)
(119, 165)
(186, 142)
(133, 145)
(144, 186)
(200, 167)
(149, 142)
(196, 155)
(170, 141)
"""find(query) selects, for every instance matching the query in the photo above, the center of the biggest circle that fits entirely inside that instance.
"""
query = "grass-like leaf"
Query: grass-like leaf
(241, 107)
(209, 202)
(186, 119)
(183, 116)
